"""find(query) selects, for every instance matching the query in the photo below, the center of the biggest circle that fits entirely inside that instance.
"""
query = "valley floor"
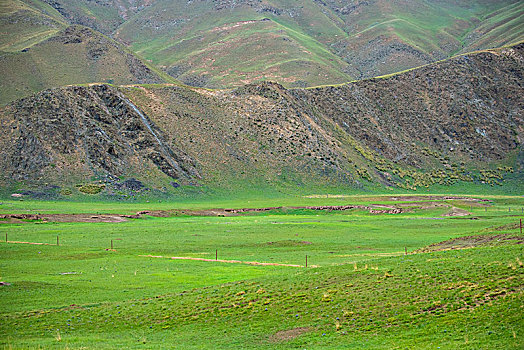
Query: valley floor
(382, 272)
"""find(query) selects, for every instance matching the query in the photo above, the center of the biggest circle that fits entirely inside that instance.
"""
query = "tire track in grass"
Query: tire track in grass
(18, 242)
(224, 261)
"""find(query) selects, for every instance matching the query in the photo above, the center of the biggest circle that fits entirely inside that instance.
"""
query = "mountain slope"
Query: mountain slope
(498, 28)
(74, 55)
(389, 36)
(78, 132)
(221, 44)
(230, 43)
(457, 120)
(39, 49)
(104, 16)
(24, 24)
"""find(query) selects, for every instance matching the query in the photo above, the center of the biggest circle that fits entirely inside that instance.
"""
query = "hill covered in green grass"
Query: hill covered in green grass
(458, 121)
(221, 44)
(25, 23)
(42, 50)
(73, 55)
(299, 43)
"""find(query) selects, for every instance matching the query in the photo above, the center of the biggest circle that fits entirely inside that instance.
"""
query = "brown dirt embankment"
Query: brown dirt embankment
(17, 218)
(473, 241)
(426, 202)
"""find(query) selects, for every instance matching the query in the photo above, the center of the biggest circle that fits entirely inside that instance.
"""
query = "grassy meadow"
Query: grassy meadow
(360, 289)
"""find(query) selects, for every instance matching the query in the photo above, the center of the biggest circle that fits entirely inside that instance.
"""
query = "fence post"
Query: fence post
(306, 260)
(57, 241)
(111, 244)
(216, 254)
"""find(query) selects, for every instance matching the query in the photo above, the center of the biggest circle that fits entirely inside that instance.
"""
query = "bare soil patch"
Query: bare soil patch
(511, 226)
(426, 202)
(386, 211)
(35, 243)
(386, 206)
(18, 218)
(435, 198)
(457, 212)
(288, 334)
(288, 243)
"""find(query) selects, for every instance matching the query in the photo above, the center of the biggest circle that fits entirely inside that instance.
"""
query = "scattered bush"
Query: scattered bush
(66, 192)
(91, 188)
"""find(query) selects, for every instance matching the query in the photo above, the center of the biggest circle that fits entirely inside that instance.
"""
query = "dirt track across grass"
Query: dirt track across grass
(223, 261)
(36, 243)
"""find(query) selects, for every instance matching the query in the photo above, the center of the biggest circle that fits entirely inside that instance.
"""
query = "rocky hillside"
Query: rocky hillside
(80, 132)
(468, 108)
(457, 120)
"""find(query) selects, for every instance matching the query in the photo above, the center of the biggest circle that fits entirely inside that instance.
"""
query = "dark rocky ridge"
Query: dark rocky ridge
(469, 106)
(431, 124)
(84, 130)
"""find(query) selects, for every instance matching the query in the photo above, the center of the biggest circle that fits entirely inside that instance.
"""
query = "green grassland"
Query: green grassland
(303, 43)
(360, 290)
(508, 20)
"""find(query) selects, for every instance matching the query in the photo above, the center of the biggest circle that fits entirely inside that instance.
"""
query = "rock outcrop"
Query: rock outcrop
(85, 131)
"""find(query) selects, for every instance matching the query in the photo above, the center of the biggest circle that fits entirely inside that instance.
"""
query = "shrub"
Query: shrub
(91, 188)
(66, 192)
